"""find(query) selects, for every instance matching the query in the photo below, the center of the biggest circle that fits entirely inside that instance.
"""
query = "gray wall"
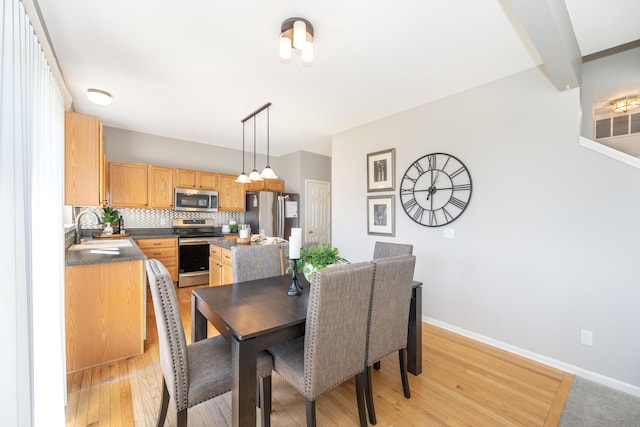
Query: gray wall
(549, 242)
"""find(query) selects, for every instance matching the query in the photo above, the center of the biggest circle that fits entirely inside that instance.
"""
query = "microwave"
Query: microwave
(190, 199)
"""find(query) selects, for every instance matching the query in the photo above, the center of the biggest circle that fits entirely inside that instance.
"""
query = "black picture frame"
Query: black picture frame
(381, 170)
(381, 218)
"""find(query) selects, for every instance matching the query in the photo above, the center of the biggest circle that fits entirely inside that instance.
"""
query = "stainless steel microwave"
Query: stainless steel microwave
(190, 199)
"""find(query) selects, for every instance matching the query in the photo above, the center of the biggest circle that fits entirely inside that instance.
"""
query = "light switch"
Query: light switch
(449, 233)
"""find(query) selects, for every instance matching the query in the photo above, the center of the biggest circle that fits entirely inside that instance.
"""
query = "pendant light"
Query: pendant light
(243, 178)
(254, 175)
(267, 172)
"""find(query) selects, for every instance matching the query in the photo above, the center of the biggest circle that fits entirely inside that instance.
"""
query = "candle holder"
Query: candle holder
(296, 287)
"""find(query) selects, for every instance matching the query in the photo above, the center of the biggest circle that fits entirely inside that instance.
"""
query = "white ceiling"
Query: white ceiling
(193, 69)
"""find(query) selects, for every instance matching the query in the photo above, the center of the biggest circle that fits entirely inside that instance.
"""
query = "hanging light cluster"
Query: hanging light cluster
(267, 172)
(296, 33)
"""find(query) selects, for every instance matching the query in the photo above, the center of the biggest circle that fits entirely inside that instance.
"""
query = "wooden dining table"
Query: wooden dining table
(258, 314)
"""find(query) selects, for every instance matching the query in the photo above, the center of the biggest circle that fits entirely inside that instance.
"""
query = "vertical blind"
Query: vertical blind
(32, 245)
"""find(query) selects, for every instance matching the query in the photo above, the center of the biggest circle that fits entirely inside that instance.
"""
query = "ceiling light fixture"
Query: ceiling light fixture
(267, 172)
(99, 97)
(625, 104)
(296, 33)
(243, 178)
(254, 175)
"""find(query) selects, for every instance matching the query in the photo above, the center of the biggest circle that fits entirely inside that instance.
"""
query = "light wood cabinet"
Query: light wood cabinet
(84, 171)
(215, 265)
(227, 267)
(276, 185)
(187, 178)
(163, 249)
(160, 187)
(231, 195)
(128, 185)
(104, 313)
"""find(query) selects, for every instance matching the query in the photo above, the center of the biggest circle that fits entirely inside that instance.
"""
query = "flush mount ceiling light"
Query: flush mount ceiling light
(296, 33)
(625, 104)
(99, 97)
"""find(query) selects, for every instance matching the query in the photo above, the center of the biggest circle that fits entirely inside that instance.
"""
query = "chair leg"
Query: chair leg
(368, 394)
(164, 404)
(311, 412)
(402, 354)
(265, 398)
(376, 365)
(182, 418)
(360, 398)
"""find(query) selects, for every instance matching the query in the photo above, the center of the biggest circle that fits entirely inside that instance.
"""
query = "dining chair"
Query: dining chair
(386, 249)
(194, 373)
(388, 318)
(333, 347)
(251, 262)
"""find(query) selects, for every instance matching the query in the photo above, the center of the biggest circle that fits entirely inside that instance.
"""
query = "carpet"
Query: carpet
(593, 405)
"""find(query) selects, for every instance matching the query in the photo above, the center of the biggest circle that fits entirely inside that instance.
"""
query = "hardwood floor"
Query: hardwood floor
(463, 383)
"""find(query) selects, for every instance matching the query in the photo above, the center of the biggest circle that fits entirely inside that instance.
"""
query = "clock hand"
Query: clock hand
(433, 188)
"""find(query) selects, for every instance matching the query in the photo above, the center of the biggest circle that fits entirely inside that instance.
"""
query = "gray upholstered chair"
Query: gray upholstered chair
(333, 348)
(388, 318)
(255, 262)
(193, 373)
(385, 249)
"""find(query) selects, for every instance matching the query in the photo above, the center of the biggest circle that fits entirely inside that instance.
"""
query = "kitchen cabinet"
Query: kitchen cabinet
(84, 161)
(231, 195)
(160, 187)
(165, 250)
(276, 185)
(220, 266)
(128, 185)
(186, 178)
(104, 313)
(227, 266)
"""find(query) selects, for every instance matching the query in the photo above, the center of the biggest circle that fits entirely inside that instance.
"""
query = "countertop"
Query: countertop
(228, 244)
(85, 257)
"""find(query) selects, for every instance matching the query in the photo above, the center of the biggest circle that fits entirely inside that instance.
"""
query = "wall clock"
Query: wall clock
(435, 189)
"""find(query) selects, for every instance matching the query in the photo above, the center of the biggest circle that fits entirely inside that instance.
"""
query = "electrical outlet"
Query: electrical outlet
(163, 221)
(448, 233)
(586, 337)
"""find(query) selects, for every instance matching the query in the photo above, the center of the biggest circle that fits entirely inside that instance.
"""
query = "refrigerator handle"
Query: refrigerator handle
(281, 217)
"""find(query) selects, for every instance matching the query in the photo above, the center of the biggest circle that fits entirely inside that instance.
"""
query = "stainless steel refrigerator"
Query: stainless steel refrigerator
(275, 213)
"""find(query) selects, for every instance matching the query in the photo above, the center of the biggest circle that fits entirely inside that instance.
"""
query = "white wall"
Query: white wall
(549, 242)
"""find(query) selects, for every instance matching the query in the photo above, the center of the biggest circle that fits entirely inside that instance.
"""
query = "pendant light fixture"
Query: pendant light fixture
(243, 178)
(254, 175)
(267, 172)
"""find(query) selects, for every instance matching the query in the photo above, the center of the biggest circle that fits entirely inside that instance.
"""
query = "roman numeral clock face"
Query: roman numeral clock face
(436, 189)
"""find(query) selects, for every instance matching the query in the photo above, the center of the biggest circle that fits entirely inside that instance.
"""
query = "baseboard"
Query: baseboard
(591, 376)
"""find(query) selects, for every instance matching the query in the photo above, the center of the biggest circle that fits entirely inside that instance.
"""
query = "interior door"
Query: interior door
(317, 211)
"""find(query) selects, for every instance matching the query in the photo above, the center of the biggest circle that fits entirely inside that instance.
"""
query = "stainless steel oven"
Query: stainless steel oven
(194, 238)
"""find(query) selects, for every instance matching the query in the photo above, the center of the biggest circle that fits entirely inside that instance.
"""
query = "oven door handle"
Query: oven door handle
(192, 242)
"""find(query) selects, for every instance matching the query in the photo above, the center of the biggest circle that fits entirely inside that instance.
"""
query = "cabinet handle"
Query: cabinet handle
(157, 244)
(157, 253)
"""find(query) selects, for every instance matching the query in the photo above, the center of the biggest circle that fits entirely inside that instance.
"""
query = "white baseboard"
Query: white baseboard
(591, 376)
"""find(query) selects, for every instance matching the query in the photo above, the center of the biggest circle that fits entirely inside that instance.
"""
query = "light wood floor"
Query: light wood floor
(463, 383)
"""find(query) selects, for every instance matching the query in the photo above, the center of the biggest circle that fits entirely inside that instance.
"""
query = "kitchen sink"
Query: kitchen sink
(102, 244)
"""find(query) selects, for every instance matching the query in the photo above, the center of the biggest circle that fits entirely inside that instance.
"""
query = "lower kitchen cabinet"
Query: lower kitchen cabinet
(227, 267)
(104, 313)
(165, 250)
(220, 266)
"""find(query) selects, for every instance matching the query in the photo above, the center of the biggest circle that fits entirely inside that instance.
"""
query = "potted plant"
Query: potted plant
(317, 257)
(109, 216)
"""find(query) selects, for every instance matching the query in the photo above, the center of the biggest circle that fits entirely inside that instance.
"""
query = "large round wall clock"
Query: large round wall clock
(435, 189)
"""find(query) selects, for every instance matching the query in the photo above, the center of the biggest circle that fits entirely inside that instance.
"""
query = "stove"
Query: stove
(194, 238)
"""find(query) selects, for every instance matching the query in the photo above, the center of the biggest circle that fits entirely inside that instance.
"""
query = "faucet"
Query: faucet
(77, 237)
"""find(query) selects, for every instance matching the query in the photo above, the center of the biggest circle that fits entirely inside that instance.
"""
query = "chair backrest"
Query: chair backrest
(390, 305)
(255, 262)
(284, 256)
(385, 249)
(335, 331)
(173, 345)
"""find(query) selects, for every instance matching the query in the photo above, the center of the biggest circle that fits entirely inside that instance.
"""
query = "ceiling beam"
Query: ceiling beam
(549, 28)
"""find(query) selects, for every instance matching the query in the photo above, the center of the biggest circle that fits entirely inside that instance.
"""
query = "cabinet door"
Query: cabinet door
(83, 161)
(274, 185)
(227, 267)
(160, 187)
(163, 249)
(128, 185)
(231, 195)
(207, 180)
(215, 265)
(185, 178)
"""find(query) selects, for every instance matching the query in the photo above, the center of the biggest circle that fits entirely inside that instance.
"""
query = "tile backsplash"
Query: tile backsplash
(159, 218)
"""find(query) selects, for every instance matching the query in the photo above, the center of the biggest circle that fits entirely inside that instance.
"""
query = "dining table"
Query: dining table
(258, 314)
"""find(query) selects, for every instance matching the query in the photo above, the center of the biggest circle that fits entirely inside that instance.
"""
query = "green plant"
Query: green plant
(319, 256)
(233, 228)
(110, 215)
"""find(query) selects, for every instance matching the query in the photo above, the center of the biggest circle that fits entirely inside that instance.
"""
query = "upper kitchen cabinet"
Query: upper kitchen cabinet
(276, 185)
(187, 178)
(160, 187)
(231, 195)
(85, 171)
(128, 185)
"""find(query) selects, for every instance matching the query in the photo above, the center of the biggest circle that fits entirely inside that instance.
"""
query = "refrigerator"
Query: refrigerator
(275, 213)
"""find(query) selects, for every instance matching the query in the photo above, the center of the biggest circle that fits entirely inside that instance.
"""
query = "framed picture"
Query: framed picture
(381, 215)
(381, 170)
